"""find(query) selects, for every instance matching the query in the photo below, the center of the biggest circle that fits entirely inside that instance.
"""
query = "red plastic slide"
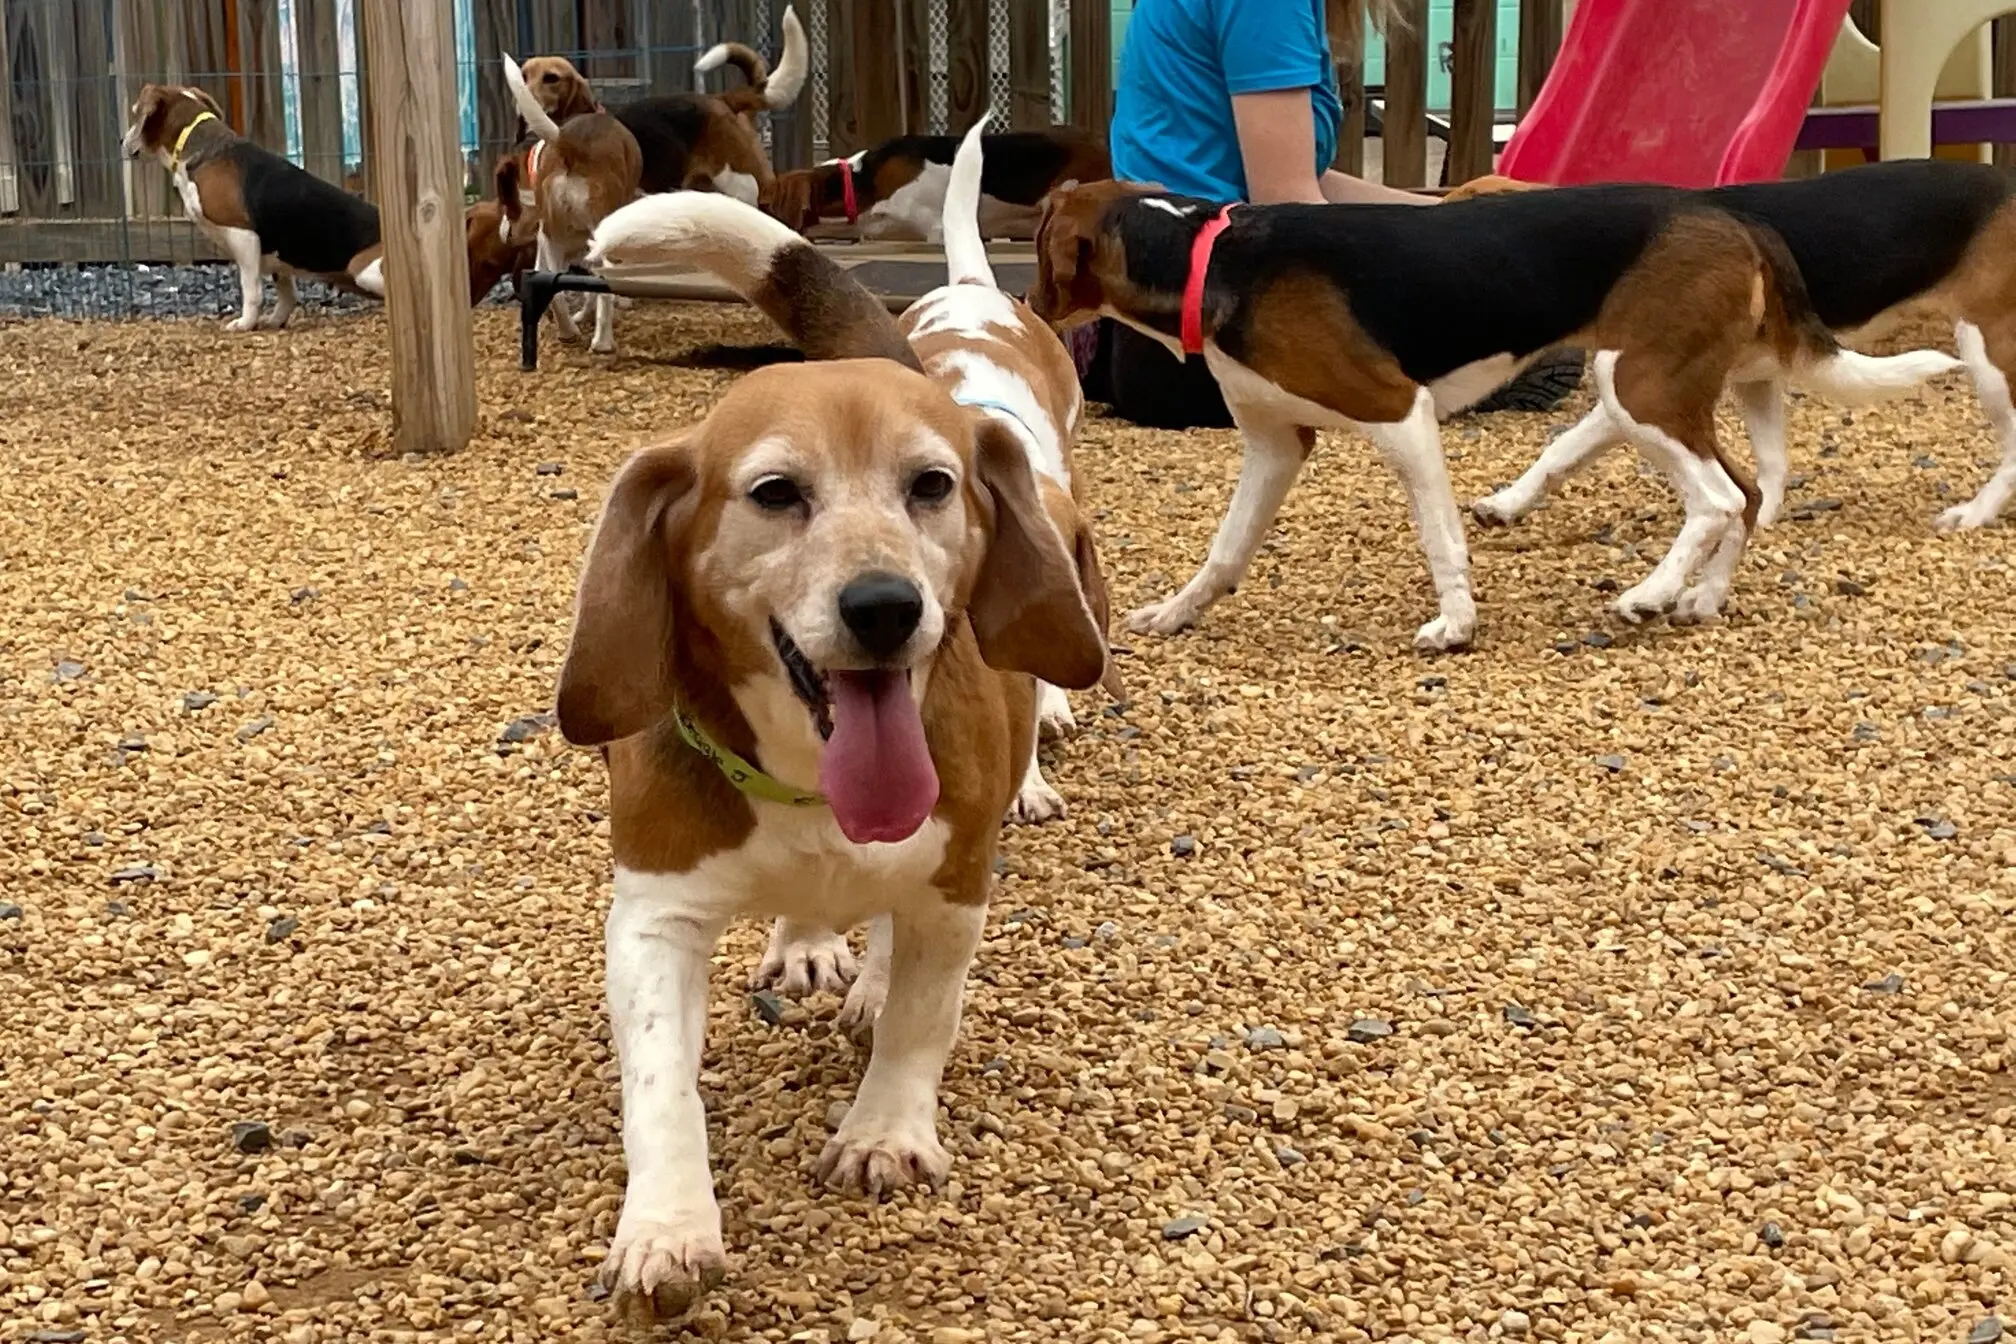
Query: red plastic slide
(1693, 93)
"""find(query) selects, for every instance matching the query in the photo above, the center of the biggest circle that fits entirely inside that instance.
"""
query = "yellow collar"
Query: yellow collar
(175, 154)
(744, 776)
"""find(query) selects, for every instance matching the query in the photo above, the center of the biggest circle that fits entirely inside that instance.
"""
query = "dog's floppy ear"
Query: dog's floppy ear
(575, 98)
(1028, 611)
(1062, 253)
(617, 679)
(791, 199)
(1092, 580)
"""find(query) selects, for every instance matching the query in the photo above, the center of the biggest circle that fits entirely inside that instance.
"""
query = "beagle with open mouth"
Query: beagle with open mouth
(1382, 318)
(897, 190)
(807, 638)
(1876, 245)
(269, 216)
(983, 346)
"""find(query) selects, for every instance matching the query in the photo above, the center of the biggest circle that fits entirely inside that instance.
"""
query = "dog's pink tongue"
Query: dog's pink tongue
(877, 773)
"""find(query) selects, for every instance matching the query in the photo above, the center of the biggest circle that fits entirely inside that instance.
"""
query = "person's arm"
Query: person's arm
(1277, 145)
(1343, 189)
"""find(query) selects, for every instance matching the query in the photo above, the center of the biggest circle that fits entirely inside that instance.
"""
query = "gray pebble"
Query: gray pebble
(1598, 639)
(283, 928)
(1518, 1016)
(251, 1136)
(69, 671)
(137, 872)
(565, 492)
(1892, 983)
(525, 728)
(768, 1007)
(1188, 1225)
(1986, 1330)
(1849, 588)
(1771, 1235)
(1942, 830)
(9, 910)
(303, 594)
(457, 586)
(548, 469)
(1289, 1157)
(251, 730)
(1611, 763)
(1369, 1029)
(1265, 1038)
(1107, 930)
(195, 700)
(1183, 846)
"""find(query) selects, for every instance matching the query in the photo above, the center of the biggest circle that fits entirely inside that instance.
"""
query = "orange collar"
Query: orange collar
(1193, 288)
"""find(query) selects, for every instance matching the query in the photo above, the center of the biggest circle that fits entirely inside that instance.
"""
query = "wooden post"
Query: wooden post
(2002, 39)
(417, 163)
(1539, 42)
(1473, 83)
(1404, 125)
(913, 64)
(1028, 64)
(966, 88)
(1350, 158)
(1092, 65)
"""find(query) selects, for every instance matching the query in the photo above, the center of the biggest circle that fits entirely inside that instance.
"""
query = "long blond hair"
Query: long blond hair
(1346, 21)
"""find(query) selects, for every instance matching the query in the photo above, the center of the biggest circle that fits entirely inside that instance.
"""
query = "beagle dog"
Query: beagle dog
(688, 141)
(897, 189)
(269, 216)
(806, 638)
(578, 172)
(1874, 244)
(494, 253)
(1382, 318)
(983, 346)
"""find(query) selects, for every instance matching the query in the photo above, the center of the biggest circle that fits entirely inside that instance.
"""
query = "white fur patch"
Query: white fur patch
(1169, 207)
(741, 186)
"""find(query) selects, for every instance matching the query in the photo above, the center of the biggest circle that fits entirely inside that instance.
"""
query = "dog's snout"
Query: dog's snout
(882, 611)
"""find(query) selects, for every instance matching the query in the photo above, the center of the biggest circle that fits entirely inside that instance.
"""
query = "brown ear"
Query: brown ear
(576, 101)
(1063, 252)
(1092, 580)
(617, 679)
(791, 199)
(1027, 609)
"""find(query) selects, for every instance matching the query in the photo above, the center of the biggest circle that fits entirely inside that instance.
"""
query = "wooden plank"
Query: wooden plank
(556, 29)
(670, 41)
(1091, 82)
(1028, 64)
(364, 180)
(966, 50)
(208, 60)
(10, 155)
(605, 36)
(913, 65)
(100, 112)
(100, 240)
(1539, 43)
(65, 100)
(877, 97)
(1404, 122)
(1351, 132)
(1473, 79)
(2002, 43)
(496, 116)
(318, 50)
(843, 126)
(28, 68)
(260, 73)
(419, 172)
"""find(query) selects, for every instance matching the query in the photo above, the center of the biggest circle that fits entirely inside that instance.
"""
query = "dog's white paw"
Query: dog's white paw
(863, 1004)
(1645, 601)
(603, 347)
(1163, 618)
(1054, 718)
(1445, 633)
(1962, 518)
(1500, 510)
(806, 961)
(1702, 602)
(240, 324)
(1036, 803)
(876, 1159)
(659, 1269)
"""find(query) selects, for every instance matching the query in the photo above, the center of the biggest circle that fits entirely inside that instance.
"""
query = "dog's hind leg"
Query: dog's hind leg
(1987, 356)
(1568, 453)
(283, 286)
(1763, 406)
(550, 258)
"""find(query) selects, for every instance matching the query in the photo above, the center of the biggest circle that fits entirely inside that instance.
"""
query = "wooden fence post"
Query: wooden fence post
(1539, 42)
(966, 49)
(416, 160)
(1092, 65)
(1473, 83)
(1404, 120)
(1028, 64)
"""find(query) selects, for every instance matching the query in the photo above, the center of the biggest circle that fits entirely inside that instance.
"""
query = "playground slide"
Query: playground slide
(1694, 93)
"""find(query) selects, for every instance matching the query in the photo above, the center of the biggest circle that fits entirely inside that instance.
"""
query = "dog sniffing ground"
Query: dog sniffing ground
(1601, 983)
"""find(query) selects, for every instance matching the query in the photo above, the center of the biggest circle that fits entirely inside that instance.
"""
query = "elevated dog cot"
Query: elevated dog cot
(897, 273)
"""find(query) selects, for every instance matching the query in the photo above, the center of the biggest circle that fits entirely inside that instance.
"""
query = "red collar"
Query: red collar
(847, 199)
(1193, 288)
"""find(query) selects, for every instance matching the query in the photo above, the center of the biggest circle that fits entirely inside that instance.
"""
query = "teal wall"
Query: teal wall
(1440, 23)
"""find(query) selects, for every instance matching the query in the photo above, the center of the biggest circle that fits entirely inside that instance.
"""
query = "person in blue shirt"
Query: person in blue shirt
(1231, 100)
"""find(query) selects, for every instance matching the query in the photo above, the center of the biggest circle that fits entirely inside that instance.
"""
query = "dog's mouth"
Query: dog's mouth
(876, 770)
(807, 681)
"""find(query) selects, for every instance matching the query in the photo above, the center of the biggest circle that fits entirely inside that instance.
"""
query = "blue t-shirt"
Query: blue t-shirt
(1180, 65)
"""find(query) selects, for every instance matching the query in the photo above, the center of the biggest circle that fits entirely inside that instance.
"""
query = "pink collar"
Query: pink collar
(848, 202)
(1193, 288)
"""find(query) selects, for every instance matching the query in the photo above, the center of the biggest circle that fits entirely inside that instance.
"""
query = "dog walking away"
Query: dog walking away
(983, 346)
(269, 216)
(1383, 318)
(807, 636)
(897, 190)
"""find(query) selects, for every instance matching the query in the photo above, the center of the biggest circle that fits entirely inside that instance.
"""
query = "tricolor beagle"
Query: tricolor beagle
(897, 189)
(983, 346)
(1874, 244)
(270, 216)
(806, 637)
(1382, 317)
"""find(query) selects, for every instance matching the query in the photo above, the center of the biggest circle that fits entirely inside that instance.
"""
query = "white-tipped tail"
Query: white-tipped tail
(1850, 378)
(782, 88)
(703, 229)
(965, 250)
(713, 58)
(535, 116)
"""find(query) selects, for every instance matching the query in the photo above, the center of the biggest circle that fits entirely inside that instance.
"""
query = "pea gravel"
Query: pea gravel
(1646, 988)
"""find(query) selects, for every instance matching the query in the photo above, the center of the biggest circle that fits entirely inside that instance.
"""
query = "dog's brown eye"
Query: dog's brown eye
(774, 494)
(932, 487)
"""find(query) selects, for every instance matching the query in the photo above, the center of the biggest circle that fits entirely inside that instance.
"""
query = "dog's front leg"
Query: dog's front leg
(1275, 451)
(1413, 448)
(661, 931)
(550, 258)
(244, 247)
(890, 1136)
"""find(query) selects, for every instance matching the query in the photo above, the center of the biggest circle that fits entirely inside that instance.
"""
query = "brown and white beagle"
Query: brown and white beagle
(1875, 246)
(807, 638)
(1381, 318)
(983, 346)
(897, 189)
(269, 216)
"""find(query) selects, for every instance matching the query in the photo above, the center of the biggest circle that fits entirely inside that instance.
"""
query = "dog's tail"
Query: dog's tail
(767, 90)
(829, 313)
(1807, 349)
(536, 117)
(965, 250)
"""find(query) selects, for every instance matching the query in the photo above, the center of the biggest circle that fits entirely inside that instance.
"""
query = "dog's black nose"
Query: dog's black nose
(882, 610)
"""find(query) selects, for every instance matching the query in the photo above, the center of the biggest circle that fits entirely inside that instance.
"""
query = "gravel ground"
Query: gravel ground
(1600, 984)
(158, 291)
